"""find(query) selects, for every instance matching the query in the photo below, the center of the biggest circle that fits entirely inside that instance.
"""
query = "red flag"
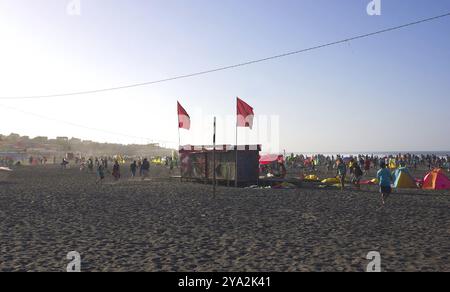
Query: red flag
(244, 114)
(184, 121)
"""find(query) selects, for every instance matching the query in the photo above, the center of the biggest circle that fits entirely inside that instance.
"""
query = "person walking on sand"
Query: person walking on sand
(341, 172)
(133, 168)
(351, 163)
(367, 164)
(171, 166)
(139, 164)
(90, 164)
(145, 168)
(357, 175)
(329, 165)
(384, 177)
(64, 163)
(100, 173)
(82, 166)
(116, 171)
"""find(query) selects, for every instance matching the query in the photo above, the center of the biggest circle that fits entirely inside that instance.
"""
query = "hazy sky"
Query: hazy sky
(388, 92)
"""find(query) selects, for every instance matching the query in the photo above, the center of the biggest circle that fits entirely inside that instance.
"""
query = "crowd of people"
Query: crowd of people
(355, 167)
(360, 165)
(139, 167)
(6, 161)
(366, 162)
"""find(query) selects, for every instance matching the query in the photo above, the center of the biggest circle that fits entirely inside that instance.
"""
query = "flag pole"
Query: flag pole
(178, 126)
(236, 161)
(179, 145)
(214, 159)
(179, 137)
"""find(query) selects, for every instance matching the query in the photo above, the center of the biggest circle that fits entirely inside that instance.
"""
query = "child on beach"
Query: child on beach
(100, 173)
(350, 165)
(116, 171)
(385, 178)
(133, 168)
(64, 163)
(329, 165)
(341, 172)
(90, 164)
(139, 164)
(367, 165)
(357, 175)
(145, 168)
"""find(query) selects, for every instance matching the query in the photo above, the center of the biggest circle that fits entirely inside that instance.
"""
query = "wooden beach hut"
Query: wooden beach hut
(197, 164)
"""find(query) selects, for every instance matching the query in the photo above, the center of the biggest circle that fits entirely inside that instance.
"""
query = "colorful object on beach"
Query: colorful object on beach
(347, 160)
(5, 172)
(271, 158)
(184, 121)
(392, 164)
(245, 114)
(157, 161)
(403, 179)
(331, 181)
(369, 182)
(436, 180)
(312, 177)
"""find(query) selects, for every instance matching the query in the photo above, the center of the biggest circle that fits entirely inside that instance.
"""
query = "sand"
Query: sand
(166, 225)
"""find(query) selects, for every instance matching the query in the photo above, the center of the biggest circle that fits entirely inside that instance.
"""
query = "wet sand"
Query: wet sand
(166, 225)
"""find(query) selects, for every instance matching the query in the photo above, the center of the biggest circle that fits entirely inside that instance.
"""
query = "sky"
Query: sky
(390, 92)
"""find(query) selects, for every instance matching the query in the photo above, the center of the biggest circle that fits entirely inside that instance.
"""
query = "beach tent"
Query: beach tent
(269, 159)
(272, 165)
(436, 180)
(347, 160)
(403, 179)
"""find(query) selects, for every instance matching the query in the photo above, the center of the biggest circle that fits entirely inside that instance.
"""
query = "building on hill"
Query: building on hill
(57, 148)
(40, 139)
(62, 139)
(13, 137)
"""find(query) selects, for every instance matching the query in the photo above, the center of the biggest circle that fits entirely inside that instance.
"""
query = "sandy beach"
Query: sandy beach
(165, 225)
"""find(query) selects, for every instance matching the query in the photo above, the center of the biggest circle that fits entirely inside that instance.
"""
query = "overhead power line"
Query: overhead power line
(235, 65)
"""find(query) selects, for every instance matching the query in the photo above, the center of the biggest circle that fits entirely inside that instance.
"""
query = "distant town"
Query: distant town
(15, 147)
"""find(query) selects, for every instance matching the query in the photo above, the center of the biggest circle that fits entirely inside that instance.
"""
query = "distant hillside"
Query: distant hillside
(15, 144)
